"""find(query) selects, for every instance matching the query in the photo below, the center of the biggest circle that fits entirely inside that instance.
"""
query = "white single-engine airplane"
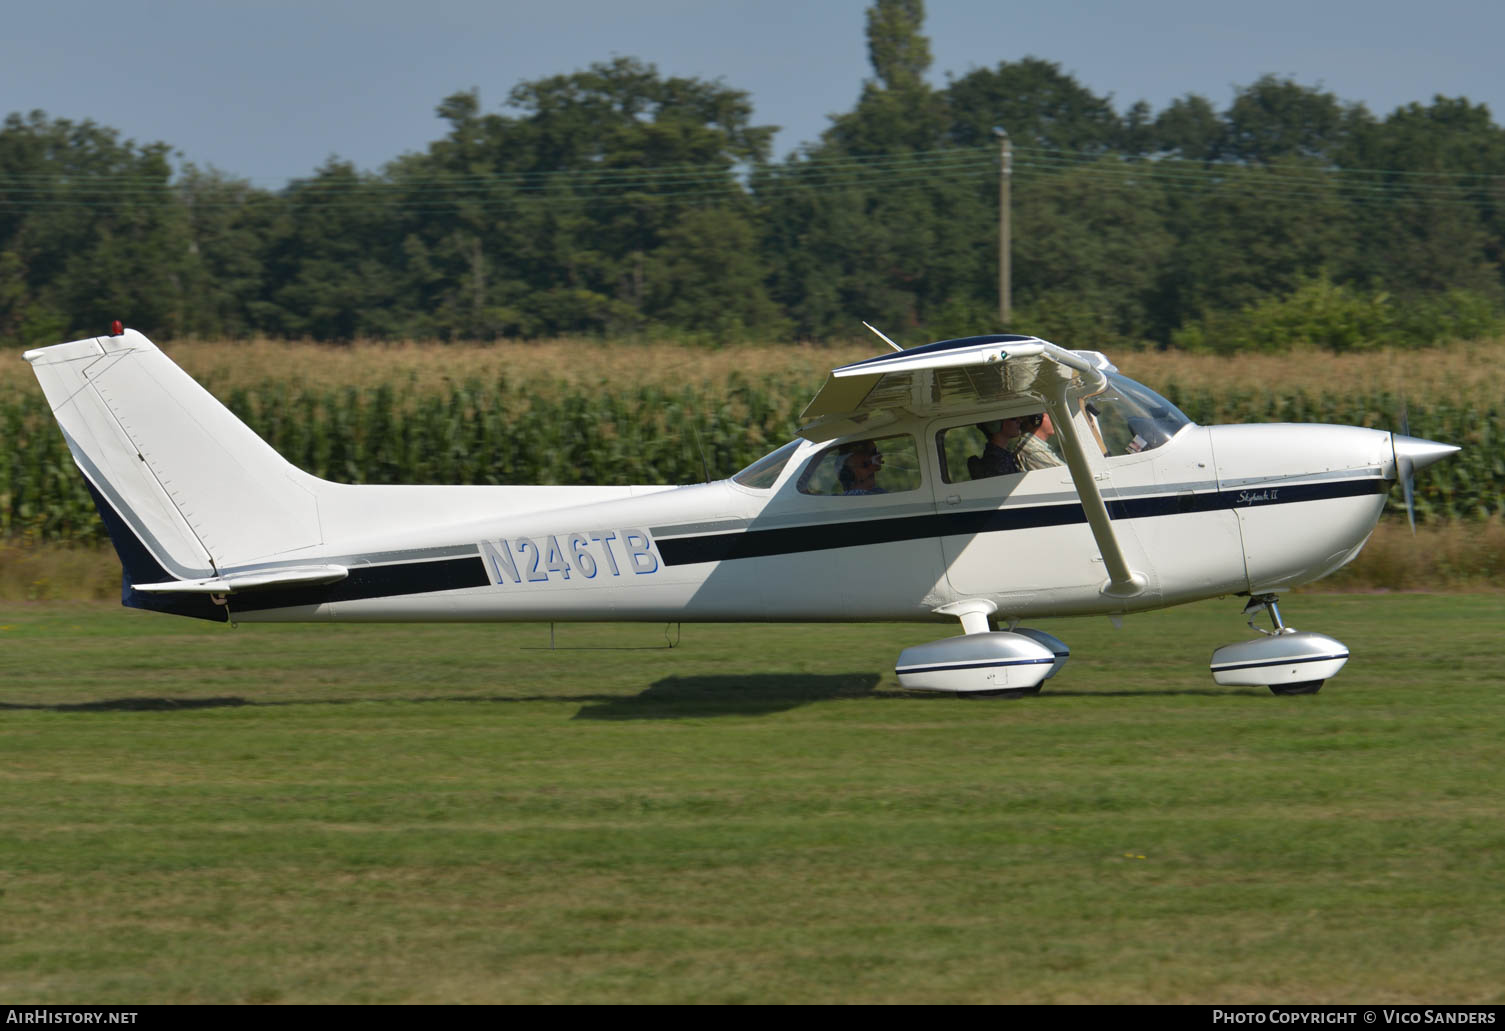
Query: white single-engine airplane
(894, 503)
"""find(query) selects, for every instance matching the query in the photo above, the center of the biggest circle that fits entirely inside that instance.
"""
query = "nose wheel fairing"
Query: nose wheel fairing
(1286, 660)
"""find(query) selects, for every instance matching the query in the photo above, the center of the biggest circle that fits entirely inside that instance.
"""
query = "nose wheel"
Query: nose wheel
(1286, 660)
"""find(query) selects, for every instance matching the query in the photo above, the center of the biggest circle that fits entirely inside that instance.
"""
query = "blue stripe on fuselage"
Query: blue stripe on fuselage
(754, 543)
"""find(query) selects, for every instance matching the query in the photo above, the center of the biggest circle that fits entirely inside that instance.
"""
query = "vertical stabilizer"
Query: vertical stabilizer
(195, 486)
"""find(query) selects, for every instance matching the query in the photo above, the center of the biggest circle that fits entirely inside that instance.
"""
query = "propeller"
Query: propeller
(1405, 470)
(1411, 454)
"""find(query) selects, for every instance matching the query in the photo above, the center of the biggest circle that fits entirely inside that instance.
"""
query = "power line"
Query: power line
(722, 180)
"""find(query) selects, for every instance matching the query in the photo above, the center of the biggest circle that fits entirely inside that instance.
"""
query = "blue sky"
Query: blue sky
(268, 89)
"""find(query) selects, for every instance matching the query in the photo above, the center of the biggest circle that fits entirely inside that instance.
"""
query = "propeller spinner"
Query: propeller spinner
(1411, 454)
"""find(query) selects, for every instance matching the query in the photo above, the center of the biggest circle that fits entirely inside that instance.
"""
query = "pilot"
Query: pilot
(860, 463)
(996, 458)
(1030, 449)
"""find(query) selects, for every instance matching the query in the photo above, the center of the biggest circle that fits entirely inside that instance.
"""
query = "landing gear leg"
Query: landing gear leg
(1268, 602)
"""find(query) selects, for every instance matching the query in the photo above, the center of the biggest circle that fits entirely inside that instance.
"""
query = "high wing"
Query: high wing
(953, 375)
(964, 375)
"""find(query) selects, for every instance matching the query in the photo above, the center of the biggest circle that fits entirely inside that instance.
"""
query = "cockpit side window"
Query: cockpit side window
(1020, 443)
(883, 465)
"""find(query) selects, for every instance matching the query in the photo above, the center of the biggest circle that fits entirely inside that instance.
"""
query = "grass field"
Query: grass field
(459, 814)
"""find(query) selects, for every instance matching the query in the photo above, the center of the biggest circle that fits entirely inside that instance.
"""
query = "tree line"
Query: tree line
(621, 201)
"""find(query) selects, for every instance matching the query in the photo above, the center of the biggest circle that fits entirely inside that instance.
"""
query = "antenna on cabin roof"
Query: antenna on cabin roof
(701, 448)
(885, 339)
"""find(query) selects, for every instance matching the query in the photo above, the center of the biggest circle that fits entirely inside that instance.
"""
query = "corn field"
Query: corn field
(501, 431)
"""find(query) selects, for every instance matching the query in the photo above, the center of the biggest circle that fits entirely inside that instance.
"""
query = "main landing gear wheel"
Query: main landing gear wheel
(1305, 687)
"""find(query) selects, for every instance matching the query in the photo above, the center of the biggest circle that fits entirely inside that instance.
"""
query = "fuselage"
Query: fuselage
(1208, 511)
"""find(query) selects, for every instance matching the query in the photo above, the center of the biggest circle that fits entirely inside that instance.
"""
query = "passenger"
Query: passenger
(1030, 449)
(996, 459)
(859, 468)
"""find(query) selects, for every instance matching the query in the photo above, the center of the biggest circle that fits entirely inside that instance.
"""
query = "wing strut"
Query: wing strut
(1123, 582)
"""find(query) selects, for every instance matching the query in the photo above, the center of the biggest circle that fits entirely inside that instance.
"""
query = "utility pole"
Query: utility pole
(1005, 173)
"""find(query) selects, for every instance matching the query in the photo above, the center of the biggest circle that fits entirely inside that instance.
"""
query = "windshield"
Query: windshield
(764, 473)
(1131, 418)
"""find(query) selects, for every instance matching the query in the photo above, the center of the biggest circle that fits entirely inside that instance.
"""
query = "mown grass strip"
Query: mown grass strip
(459, 814)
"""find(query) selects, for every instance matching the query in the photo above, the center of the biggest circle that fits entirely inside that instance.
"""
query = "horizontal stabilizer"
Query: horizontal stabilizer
(259, 579)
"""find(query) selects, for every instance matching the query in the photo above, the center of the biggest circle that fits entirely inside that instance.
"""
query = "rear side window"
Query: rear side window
(882, 465)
